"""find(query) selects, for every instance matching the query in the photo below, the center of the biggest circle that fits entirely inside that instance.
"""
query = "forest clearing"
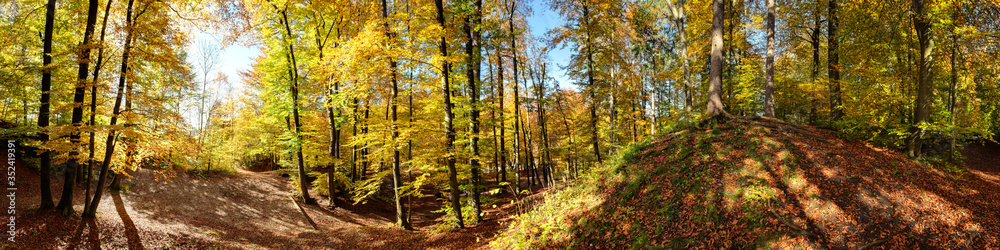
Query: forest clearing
(500, 124)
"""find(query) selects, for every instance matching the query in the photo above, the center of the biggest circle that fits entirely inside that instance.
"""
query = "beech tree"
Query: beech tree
(925, 77)
(449, 128)
(45, 163)
(73, 165)
(715, 81)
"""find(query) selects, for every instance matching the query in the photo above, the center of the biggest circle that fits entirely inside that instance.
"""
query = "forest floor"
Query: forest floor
(763, 183)
(164, 209)
(748, 183)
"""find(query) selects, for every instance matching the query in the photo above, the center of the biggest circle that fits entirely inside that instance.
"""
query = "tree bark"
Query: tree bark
(547, 165)
(294, 74)
(954, 81)
(680, 17)
(93, 106)
(110, 142)
(45, 163)
(73, 165)
(472, 47)
(833, 59)
(925, 84)
(397, 176)
(456, 204)
(769, 88)
(334, 150)
(354, 148)
(715, 79)
(503, 127)
(570, 154)
(814, 74)
(591, 87)
(518, 161)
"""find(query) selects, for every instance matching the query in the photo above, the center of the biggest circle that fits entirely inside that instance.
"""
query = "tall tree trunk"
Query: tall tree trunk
(539, 97)
(472, 46)
(653, 108)
(364, 148)
(334, 150)
(570, 153)
(591, 87)
(954, 81)
(110, 142)
(503, 127)
(518, 162)
(493, 116)
(715, 79)
(613, 117)
(45, 164)
(93, 106)
(814, 74)
(528, 150)
(73, 165)
(354, 148)
(925, 84)
(456, 204)
(833, 59)
(303, 186)
(679, 18)
(409, 146)
(769, 88)
(397, 176)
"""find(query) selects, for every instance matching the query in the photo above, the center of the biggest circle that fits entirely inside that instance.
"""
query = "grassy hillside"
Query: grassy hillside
(758, 183)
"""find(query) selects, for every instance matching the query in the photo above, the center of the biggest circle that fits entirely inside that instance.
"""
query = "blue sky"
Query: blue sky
(541, 21)
(236, 58)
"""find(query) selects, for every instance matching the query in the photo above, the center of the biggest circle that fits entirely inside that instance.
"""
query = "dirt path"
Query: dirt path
(248, 210)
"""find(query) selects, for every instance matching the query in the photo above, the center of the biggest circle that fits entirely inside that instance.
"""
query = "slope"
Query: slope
(762, 183)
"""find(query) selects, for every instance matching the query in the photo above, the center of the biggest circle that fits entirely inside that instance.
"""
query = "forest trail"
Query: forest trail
(246, 210)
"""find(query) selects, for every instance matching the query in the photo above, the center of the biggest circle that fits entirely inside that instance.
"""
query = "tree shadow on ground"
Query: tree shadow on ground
(784, 186)
(131, 232)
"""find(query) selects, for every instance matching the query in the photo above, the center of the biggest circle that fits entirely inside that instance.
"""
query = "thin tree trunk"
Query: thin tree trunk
(93, 106)
(685, 59)
(354, 148)
(591, 87)
(518, 163)
(541, 126)
(951, 89)
(833, 59)
(769, 88)
(472, 73)
(528, 149)
(570, 153)
(503, 127)
(73, 165)
(303, 186)
(449, 128)
(334, 150)
(110, 142)
(45, 163)
(814, 74)
(397, 176)
(364, 148)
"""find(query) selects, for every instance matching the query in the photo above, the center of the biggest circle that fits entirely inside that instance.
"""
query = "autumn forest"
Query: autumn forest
(500, 124)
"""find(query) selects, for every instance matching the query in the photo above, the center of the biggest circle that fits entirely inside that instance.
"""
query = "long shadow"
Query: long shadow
(328, 212)
(131, 232)
(77, 234)
(93, 235)
(305, 215)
